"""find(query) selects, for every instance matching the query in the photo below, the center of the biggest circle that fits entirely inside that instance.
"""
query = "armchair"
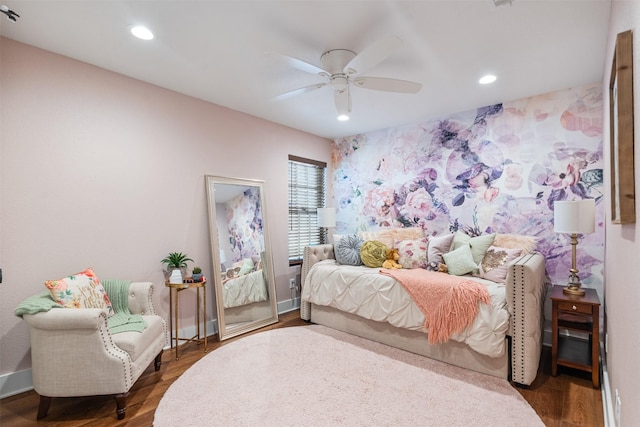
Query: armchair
(74, 354)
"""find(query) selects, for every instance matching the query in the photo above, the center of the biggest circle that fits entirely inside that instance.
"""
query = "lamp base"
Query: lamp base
(572, 290)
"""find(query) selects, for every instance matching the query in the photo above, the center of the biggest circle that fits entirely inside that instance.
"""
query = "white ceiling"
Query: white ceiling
(215, 50)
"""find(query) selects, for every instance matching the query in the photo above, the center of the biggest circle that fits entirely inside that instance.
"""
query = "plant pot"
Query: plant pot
(197, 277)
(168, 271)
(176, 277)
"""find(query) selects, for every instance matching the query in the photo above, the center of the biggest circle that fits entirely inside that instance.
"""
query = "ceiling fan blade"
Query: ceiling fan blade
(387, 85)
(343, 100)
(299, 91)
(300, 64)
(373, 55)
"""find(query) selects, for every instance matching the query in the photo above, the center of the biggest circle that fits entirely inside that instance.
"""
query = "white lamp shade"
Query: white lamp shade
(574, 216)
(326, 217)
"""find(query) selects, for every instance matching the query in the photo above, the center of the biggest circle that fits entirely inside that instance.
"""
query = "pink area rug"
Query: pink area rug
(316, 376)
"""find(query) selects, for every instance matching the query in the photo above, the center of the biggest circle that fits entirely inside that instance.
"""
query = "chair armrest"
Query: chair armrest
(140, 298)
(67, 318)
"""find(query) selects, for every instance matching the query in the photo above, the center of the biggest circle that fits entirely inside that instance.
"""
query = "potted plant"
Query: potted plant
(197, 274)
(176, 261)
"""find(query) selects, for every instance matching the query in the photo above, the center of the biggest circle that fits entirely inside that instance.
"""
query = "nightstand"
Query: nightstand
(579, 314)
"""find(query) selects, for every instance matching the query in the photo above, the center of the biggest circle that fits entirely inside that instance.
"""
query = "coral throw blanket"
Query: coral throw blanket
(449, 303)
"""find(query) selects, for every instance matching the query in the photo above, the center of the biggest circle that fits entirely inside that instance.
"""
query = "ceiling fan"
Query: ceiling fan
(343, 68)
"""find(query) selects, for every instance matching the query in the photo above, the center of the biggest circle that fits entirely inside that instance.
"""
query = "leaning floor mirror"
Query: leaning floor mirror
(241, 255)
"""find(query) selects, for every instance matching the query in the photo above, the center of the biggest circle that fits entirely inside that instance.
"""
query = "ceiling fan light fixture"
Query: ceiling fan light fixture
(343, 117)
(487, 79)
(142, 32)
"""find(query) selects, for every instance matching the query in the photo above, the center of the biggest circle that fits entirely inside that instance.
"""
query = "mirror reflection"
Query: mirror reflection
(244, 283)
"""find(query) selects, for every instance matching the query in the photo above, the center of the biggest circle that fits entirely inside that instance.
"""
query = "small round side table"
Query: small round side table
(173, 312)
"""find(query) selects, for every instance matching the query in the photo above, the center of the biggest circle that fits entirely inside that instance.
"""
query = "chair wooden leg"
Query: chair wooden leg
(158, 361)
(43, 408)
(121, 404)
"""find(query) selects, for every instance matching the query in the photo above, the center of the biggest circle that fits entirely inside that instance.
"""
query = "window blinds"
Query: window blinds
(306, 195)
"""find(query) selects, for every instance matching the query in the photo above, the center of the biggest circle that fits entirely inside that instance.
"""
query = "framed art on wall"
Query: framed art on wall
(621, 122)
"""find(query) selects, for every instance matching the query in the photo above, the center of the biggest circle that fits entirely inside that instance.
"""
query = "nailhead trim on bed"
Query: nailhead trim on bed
(518, 338)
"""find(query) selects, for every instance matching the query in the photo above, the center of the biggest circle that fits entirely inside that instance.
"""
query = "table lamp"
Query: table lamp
(574, 217)
(326, 219)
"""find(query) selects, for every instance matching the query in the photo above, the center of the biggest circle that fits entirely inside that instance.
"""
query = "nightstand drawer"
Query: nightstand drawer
(575, 308)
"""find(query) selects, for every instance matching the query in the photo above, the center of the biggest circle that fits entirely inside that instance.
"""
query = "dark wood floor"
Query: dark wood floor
(549, 396)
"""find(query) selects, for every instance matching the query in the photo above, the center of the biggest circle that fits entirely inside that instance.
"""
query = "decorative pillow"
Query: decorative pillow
(437, 246)
(413, 253)
(478, 245)
(81, 290)
(460, 261)
(246, 267)
(347, 250)
(373, 253)
(389, 235)
(496, 262)
(516, 241)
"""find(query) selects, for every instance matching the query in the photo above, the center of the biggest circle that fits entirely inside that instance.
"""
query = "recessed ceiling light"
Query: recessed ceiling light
(343, 117)
(485, 80)
(142, 32)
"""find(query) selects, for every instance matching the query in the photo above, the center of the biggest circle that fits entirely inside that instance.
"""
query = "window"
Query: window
(307, 180)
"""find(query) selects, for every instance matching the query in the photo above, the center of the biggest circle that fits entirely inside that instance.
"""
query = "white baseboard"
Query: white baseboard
(607, 399)
(15, 383)
(288, 305)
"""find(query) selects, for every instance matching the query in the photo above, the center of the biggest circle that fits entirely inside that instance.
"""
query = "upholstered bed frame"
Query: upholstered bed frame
(525, 291)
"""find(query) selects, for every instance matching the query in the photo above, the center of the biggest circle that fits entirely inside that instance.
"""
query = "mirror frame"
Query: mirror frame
(223, 331)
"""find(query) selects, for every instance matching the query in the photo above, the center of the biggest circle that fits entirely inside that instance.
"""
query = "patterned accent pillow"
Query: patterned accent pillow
(81, 290)
(478, 244)
(347, 250)
(460, 261)
(437, 246)
(496, 262)
(413, 253)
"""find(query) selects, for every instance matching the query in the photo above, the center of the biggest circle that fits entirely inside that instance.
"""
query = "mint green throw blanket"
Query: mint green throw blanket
(36, 303)
(117, 290)
(122, 320)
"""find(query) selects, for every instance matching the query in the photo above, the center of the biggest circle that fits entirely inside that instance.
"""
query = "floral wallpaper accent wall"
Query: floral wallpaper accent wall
(244, 219)
(497, 169)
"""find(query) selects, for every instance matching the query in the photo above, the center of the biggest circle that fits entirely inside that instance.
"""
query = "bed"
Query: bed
(504, 340)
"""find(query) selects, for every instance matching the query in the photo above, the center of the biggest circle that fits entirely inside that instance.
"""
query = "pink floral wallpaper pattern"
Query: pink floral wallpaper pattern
(496, 169)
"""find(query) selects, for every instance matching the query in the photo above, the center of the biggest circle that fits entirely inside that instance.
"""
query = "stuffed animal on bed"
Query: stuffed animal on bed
(392, 260)
(438, 266)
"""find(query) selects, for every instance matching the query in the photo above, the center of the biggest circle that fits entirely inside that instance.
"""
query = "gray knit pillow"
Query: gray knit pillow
(347, 250)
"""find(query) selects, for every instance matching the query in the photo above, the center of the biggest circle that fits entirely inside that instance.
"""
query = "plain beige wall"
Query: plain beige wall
(622, 245)
(101, 170)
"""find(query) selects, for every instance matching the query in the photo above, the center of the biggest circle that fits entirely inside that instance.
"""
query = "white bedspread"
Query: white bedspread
(367, 293)
(244, 290)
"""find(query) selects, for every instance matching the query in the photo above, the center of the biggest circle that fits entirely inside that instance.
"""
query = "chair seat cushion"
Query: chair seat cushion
(135, 343)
